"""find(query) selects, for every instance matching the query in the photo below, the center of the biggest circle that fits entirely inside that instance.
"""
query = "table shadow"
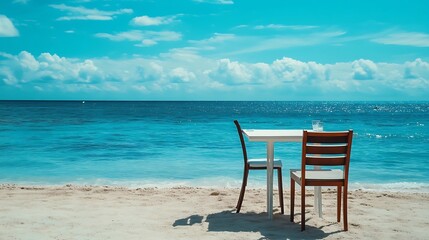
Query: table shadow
(279, 227)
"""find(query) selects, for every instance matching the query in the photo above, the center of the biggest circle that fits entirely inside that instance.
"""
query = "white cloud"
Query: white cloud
(50, 68)
(187, 56)
(215, 1)
(145, 38)
(414, 39)
(87, 70)
(364, 69)
(133, 35)
(7, 29)
(280, 26)
(183, 71)
(6, 55)
(417, 74)
(337, 81)
(55, 67)
(222, 45)
(417, 70)
(28, 61)
(152, 21)
(216, 42)
(291, 70)
(252, 44)
(148, 42)
(230, 72)
(278, 73)
(164, 35)
(82, 13)
(182, 75)
(216, 38)
(240, 26)
(149, 72)
(7, 76)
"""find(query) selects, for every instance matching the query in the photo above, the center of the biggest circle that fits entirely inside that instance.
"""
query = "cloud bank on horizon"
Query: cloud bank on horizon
(214, 50)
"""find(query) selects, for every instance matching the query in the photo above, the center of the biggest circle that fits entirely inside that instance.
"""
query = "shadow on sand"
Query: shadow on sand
(188, 221)
(278, 228)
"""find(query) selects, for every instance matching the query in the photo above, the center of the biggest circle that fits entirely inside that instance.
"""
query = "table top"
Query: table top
(276, 135)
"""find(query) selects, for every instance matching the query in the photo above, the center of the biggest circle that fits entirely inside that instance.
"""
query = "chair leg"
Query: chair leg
(292, 199)
(280, 183)
(345, 208)
(339, 203)
(302, 207)
(243, 189)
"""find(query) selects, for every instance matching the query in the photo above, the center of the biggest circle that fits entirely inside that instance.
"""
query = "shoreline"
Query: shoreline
(397, 187)
(109, 212)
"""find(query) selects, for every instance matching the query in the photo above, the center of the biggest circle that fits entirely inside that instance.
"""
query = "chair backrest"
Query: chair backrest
(243, 144)
(327, 149)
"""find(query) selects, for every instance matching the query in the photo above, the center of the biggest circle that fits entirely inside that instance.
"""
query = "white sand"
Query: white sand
(72, 212)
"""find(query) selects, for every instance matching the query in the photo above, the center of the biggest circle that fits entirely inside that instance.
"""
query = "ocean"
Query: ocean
(195, 143)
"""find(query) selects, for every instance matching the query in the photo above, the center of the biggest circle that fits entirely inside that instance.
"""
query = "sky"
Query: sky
(331, 50)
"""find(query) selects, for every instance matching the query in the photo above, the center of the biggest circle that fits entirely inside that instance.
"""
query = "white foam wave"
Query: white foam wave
(392, 187)
(225, 182)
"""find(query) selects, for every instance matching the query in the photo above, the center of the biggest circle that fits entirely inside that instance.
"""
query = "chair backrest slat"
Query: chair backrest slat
(327, 148)
(326, 161)
(339, 137)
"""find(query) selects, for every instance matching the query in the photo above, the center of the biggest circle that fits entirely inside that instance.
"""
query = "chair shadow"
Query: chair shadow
(188, 221)
(278, 228)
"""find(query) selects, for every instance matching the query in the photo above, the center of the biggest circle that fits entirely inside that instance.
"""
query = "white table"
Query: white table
(270, 136)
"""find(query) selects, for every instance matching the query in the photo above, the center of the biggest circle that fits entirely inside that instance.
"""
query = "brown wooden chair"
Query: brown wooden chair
(256, 164)
(323, 149)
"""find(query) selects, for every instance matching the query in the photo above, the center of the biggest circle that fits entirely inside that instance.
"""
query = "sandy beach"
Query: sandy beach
(103, 212)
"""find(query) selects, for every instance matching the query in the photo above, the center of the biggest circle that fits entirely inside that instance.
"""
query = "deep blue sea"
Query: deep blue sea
(163, 144)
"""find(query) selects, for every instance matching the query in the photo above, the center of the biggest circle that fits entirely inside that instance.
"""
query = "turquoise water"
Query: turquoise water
(196, 143)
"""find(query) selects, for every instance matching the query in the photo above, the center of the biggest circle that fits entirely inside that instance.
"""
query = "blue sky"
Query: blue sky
(214, 50)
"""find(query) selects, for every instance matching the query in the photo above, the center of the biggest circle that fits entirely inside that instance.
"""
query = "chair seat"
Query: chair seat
(262, 162)
(322, 174)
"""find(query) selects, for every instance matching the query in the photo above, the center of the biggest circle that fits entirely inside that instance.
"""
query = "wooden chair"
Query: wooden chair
(256, 164)
(323, 149)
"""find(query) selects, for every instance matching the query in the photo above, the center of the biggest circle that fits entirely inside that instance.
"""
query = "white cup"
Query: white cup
(317, 125)
(320, 126)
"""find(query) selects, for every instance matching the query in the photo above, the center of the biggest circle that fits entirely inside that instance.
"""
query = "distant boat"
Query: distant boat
(83, 101)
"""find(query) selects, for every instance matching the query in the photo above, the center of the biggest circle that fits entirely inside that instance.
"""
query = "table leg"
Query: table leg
(270, 166)
(318, 197)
